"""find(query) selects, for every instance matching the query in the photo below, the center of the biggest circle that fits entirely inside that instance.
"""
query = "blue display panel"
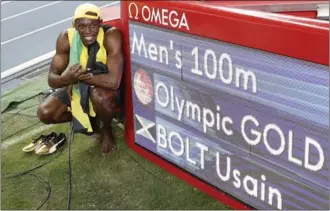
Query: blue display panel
(251, 123)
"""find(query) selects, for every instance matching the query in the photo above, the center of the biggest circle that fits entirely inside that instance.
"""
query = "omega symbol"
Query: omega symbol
(130, 10)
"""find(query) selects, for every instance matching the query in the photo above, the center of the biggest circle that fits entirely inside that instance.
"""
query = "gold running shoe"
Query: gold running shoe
(51, 145)
(37, 142)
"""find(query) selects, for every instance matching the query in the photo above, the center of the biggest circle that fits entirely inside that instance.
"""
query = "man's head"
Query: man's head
(87, 20)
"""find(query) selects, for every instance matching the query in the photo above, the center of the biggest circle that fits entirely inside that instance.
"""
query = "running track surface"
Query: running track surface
(29, 29)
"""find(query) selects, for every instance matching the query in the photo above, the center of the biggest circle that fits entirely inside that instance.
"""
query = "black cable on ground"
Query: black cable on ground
(2, 122)
(40, 178)
(33, 168)
(49, 189)
(26, 172)
(71, 137)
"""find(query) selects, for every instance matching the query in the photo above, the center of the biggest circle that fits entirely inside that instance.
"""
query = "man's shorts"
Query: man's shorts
(62, 95)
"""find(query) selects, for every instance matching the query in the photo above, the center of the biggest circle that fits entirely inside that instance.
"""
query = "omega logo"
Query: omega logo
(160, 16)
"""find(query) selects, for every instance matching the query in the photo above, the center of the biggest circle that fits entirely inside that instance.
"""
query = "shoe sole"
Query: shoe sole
(32, 148)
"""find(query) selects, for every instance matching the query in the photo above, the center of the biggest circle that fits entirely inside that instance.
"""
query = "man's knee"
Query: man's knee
(103, 100)
(45, 114)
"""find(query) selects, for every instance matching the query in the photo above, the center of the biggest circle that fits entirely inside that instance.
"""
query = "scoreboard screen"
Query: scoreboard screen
(251, 123)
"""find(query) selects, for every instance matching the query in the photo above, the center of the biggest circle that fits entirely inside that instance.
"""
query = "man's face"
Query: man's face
(88, 30)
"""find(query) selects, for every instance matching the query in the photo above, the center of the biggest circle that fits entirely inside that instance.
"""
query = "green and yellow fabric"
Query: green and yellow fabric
(80, 54)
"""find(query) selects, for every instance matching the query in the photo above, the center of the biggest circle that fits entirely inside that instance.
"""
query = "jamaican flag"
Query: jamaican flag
(94, 58)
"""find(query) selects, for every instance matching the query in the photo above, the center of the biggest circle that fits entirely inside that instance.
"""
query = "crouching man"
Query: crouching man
(86, 71)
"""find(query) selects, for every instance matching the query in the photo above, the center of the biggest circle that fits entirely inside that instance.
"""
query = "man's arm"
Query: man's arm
(59, 62)
(58, 75)
(115, 60)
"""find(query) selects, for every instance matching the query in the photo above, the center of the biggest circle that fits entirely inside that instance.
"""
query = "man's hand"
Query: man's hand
(75, 73)
(113, 43)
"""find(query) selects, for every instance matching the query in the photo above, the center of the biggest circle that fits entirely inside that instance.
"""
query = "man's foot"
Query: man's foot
(108, 145)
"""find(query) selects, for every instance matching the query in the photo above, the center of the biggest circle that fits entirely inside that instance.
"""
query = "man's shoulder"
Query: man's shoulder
(113, 33)
(63, 41)
(63, 35)
(112, 38)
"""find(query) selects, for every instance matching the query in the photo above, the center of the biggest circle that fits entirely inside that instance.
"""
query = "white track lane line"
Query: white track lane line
(48, 26)
(27, 64)
(5, 2)
(28, 11)
(31, 62)
(15, 139)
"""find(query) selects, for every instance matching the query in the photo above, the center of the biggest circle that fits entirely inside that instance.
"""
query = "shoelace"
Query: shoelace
(50, 141)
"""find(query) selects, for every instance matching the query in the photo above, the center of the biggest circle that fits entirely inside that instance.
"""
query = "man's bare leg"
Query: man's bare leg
(53, 111)
(104, 105)
(108, 142)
